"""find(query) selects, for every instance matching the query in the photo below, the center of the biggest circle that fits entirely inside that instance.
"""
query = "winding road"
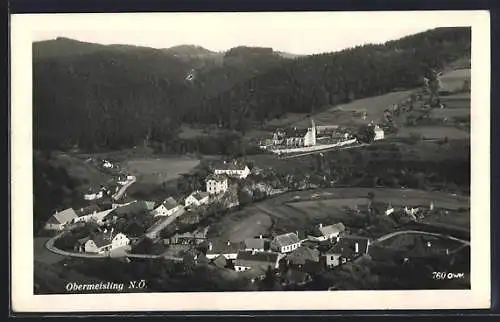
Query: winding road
(124, 188)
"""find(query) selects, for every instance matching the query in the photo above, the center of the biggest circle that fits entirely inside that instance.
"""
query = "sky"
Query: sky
(295, 32)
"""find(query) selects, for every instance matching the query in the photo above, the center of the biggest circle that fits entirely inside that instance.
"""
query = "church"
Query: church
(296, 137)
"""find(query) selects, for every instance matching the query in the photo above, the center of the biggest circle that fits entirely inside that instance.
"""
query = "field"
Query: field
(157, 170)
(284, 214)
(454, 80)
(433, 132)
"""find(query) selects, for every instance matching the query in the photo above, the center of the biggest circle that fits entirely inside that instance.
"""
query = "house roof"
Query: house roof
(230, 166)
(303, 254)
(332, 229)
(346, 246)
(257, 259)
(257, 243)
(103, 239)
(170, 203)
(219, 261)
(286, 239)
(225, 247)
(294, 133)
(199, 195)
(88, 210)
(64, 216)
(217, 177)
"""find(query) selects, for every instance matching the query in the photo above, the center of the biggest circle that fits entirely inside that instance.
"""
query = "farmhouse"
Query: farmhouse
(85, 214)
(90, 195)
(167, 208)
(346, 249)
(61, 218)
(379, 133)
(302, 255)
(257, 244)
(217, 184)
(232, 169)
(106, 241)
(322, 233)
(196, 199)
(285, 243)
(246, 260)
(227, 249)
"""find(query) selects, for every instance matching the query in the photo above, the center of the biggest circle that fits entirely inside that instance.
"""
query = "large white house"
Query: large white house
(196, 199)
(60, 219)
(167, 208)
(379, 133)
(285, 243)
(106, 241)
(217, 184)
(232, 169)
(325, 232)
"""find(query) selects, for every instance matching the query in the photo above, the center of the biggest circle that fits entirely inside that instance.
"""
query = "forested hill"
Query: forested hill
(117, 96)
(315, 82)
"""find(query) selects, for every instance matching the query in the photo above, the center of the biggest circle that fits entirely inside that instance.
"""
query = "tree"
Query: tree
(365, 134)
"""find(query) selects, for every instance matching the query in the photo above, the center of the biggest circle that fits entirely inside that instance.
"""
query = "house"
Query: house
(86, 213)
(106, 241)
(301, 256)
(285, 243)
(217, 184)
(219, 261)
(300, 137)
(246, 260)
(60, 219)
(258, 244)
(108, 165)
(346, 249)
(379, 133)
(167, 208)
(93, 195)
(232, 169)
(197, 199)
(227, 249)
(322, 233)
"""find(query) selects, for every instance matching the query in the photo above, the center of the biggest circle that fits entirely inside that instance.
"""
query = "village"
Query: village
(294, 256)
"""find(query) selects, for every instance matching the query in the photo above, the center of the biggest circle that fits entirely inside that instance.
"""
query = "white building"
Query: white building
(379, 133)
(167, 208)
(301, 137)
(108, 165)
(217, 184)
(246, 260)
(60, 219)
(93, 195)
(196, 199)
(106, 241)
(285, 243)
(232, 169)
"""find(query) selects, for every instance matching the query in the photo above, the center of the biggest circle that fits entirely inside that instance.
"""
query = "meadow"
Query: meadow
(157, 170)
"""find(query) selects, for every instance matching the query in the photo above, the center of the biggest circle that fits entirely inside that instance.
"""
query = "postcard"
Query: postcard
(250, 161)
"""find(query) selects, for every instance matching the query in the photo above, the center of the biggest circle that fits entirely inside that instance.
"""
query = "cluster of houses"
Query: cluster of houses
(325, 246)
(315, 136)
(217, 184)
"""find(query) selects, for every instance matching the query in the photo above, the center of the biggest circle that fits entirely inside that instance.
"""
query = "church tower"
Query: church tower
(313, 132)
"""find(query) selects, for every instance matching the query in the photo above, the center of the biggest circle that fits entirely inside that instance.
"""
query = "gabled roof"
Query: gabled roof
(286, 239)
(220, 261)
(258, 259)
(230, 166)
(346, 246)
(303, 254)
(225, 247)
(332, 229)
(170, 203)
(295, 133)
(88, 210)
(217, 177)
(255, 243)
(63, 217)
(104, 239)
(199, 195)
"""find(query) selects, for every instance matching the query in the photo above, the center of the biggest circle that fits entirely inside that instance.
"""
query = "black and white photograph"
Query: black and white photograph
(233, 154)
